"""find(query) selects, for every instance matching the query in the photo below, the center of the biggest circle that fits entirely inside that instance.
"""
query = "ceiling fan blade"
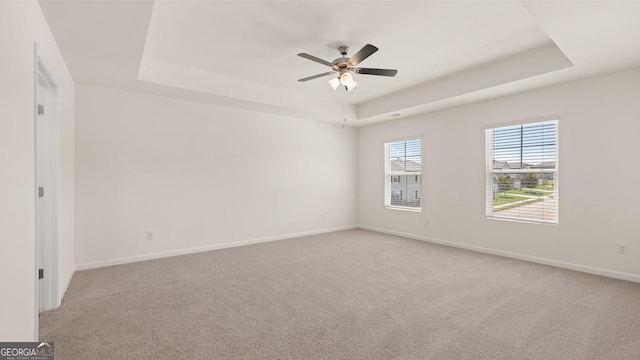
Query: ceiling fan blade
(364, 53)
(317, 76)
(381, 72)
(313, 58)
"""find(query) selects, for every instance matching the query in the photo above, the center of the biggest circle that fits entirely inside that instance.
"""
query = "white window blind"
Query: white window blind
(522, 172)
(403, 174)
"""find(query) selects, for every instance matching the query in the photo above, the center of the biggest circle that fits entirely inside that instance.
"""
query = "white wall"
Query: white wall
(22, 24)
(201, 175)
(599, 176)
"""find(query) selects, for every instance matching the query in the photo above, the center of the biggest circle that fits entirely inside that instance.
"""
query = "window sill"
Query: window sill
(401, 208)
(524, 221)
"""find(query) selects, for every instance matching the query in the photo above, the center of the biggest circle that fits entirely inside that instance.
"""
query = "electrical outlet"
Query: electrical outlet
(623, 249)
(150, 235)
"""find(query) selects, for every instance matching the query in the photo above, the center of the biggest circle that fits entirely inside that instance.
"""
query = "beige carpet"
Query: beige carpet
(345, 295)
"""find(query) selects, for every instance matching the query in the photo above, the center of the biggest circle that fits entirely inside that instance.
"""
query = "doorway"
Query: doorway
(47, 170)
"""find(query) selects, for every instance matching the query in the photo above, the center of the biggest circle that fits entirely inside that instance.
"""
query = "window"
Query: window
(403, 167)
(522, 172)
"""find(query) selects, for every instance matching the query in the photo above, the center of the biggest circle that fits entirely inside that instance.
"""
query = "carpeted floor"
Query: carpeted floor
(352, 294)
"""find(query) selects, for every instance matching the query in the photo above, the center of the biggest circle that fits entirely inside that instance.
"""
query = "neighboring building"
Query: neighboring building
(505, 165)
(406, 189)
(545, 165)
(515, 178)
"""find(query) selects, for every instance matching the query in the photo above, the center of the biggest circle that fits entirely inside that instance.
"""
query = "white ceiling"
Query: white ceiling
(243, 54)
(259, 40)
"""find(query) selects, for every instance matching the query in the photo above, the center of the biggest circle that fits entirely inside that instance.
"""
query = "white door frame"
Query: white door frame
(47, 255)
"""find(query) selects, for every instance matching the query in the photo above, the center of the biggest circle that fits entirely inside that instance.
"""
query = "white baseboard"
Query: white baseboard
(560, 264)
(556, 263)
(63, 291)
(126, 260)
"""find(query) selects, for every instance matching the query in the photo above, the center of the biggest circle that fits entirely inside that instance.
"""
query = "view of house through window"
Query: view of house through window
(403, 174)
(522, 172)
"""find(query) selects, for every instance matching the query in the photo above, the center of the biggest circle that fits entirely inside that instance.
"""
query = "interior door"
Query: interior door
(43, 179)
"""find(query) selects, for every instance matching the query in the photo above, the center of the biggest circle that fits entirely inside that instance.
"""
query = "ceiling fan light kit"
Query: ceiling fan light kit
(334, 83)
(344, 66)
(346, 79)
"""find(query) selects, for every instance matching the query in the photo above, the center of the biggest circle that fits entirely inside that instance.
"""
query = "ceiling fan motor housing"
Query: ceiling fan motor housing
(341, 64)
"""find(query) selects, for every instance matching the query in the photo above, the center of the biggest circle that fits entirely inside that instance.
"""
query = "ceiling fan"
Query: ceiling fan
(344, 66)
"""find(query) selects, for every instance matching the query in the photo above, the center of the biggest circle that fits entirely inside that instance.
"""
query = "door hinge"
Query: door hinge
(40, 109)
(40, 192)
(40, 274)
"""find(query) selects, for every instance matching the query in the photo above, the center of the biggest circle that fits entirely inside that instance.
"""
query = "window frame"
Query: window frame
(490, 172)
(388, 175)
